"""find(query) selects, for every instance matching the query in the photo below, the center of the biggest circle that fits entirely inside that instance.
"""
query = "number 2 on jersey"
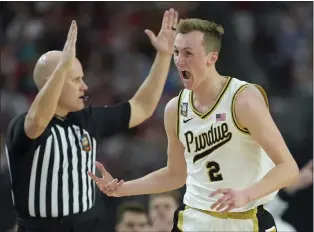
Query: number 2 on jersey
(213, 171)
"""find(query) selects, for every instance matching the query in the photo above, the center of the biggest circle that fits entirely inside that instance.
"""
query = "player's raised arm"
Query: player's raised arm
(171, 177)
(145, 100)
(49, 74)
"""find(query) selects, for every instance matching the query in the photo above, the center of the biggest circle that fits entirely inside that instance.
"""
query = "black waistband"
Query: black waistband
(67, 221)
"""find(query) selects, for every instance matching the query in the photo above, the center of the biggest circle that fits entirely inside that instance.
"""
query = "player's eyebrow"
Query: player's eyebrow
(186, 48)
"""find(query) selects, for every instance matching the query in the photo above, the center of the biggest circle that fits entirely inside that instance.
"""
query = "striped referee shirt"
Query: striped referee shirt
(49, 174)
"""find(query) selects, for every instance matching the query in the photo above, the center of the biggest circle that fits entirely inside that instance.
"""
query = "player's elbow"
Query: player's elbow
(178, 177)
(180, 181)
(292, 172)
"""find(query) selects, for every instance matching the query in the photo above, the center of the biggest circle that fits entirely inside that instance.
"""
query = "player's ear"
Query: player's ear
(212, 58)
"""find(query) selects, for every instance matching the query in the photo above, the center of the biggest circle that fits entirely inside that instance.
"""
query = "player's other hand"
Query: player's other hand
(164, 41)
(107, 184)
(231, 199)
(69, 50)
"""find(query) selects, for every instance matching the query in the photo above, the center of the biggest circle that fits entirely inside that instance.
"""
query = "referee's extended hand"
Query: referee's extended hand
(107, 184)
(69, 50)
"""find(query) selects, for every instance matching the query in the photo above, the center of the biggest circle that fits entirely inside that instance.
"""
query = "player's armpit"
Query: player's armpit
(176, 161)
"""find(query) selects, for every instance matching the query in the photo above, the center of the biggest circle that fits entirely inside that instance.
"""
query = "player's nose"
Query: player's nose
(180, 62)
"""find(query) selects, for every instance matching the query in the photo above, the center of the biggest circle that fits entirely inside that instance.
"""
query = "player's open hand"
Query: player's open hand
(231, 199)
(164, 41)
(107, 184)
(69, 50)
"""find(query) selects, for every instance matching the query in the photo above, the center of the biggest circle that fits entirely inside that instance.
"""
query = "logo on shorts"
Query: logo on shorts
(184, 109)
(85, 143)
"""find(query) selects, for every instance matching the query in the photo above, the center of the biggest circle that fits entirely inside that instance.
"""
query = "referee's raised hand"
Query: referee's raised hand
(69, 50)
(107, 184)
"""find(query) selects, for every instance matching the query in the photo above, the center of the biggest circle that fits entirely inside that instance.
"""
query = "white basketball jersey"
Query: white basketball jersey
(218, 152)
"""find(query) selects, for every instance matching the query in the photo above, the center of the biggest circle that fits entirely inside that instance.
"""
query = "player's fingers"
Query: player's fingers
(151, 35)
(229, 208)
(93, 176)
(219, 201)
(120, 183)
(102, 188)
(101, 168)
(170, 18)
(112, 184)
(219, 191)
(117, 186)
(165, 20)
(223, 205)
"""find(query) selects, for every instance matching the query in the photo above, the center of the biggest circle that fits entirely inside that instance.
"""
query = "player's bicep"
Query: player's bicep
(176, 161)
(252, 112)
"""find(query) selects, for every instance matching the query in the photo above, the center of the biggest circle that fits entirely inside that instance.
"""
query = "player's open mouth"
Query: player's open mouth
(185, 75)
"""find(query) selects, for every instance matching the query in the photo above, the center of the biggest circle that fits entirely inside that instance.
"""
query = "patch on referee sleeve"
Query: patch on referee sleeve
(85, 143)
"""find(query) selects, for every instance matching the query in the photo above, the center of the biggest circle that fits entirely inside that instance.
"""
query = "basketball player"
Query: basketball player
(235, 158)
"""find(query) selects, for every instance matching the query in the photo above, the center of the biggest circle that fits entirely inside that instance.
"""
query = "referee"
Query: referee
(51, 148)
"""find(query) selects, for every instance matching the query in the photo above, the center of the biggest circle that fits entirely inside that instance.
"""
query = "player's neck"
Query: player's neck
(207, 92)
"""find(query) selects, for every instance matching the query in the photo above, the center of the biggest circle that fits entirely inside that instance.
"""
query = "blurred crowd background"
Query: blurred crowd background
(268, 43)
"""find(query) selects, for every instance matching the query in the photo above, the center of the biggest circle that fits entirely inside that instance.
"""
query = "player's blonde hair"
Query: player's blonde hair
(212, 32)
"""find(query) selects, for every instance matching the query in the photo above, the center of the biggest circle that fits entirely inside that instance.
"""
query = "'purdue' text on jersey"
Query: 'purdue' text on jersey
(219, 153)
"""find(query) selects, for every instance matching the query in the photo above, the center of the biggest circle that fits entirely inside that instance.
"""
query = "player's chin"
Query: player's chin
(188, 85)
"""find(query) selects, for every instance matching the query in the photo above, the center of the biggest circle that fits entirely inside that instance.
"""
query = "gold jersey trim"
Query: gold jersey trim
(234, 118)
(180, 219)
(206, 115)
(178, 112)
(250, 214)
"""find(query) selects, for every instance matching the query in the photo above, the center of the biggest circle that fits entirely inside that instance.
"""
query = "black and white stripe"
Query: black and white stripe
(9, 169)
(59, 184)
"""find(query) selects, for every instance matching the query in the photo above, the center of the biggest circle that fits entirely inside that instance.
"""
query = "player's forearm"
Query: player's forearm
(156, 182)
(46, 101)
(150, 91)
(282, 175)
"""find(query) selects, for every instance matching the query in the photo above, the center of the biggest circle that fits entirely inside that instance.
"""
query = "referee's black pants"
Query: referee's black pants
(90, 225)
(90, 221)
